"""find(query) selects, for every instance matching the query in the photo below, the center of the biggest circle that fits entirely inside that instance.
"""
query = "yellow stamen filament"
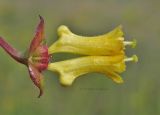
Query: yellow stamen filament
(130, 43)
(134, 58)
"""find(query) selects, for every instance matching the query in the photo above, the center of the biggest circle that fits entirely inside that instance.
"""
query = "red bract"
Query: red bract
(36, 58)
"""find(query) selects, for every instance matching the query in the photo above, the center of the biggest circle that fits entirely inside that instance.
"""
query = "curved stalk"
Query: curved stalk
(12, 52)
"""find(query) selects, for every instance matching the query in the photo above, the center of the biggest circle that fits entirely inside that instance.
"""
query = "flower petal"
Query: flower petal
(69, 70)
(114, 76)
(36, 77)
(106, 44)
(39, 36)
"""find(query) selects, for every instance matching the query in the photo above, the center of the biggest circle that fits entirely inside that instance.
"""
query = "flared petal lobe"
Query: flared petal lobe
(39, 36)
(36, 77)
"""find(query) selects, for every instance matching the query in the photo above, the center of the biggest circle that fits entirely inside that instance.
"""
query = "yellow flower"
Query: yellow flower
(111, 66)
(108, 44)
(105, 55)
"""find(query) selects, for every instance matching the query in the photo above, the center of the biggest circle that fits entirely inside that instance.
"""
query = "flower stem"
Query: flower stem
(12, 52)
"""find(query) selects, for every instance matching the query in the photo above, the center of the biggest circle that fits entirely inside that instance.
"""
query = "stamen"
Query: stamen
(134, 58)
(131, 43)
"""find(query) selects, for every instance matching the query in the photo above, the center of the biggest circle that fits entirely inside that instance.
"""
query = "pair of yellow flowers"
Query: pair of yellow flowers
(103, 54)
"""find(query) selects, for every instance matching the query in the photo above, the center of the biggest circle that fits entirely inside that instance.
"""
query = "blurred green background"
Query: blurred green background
(92, 94)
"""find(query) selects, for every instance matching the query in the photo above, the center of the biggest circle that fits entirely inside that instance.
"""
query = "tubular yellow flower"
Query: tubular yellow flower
(109, 44)
(111, 66)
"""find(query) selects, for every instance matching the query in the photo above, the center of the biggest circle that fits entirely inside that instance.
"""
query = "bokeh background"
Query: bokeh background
(92, 94)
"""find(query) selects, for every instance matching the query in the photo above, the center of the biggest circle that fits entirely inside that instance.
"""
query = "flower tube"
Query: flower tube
(111, 66)
(108, 44)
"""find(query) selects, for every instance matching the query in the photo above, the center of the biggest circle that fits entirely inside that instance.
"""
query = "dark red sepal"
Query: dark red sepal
(36, 77)
(39, 36)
